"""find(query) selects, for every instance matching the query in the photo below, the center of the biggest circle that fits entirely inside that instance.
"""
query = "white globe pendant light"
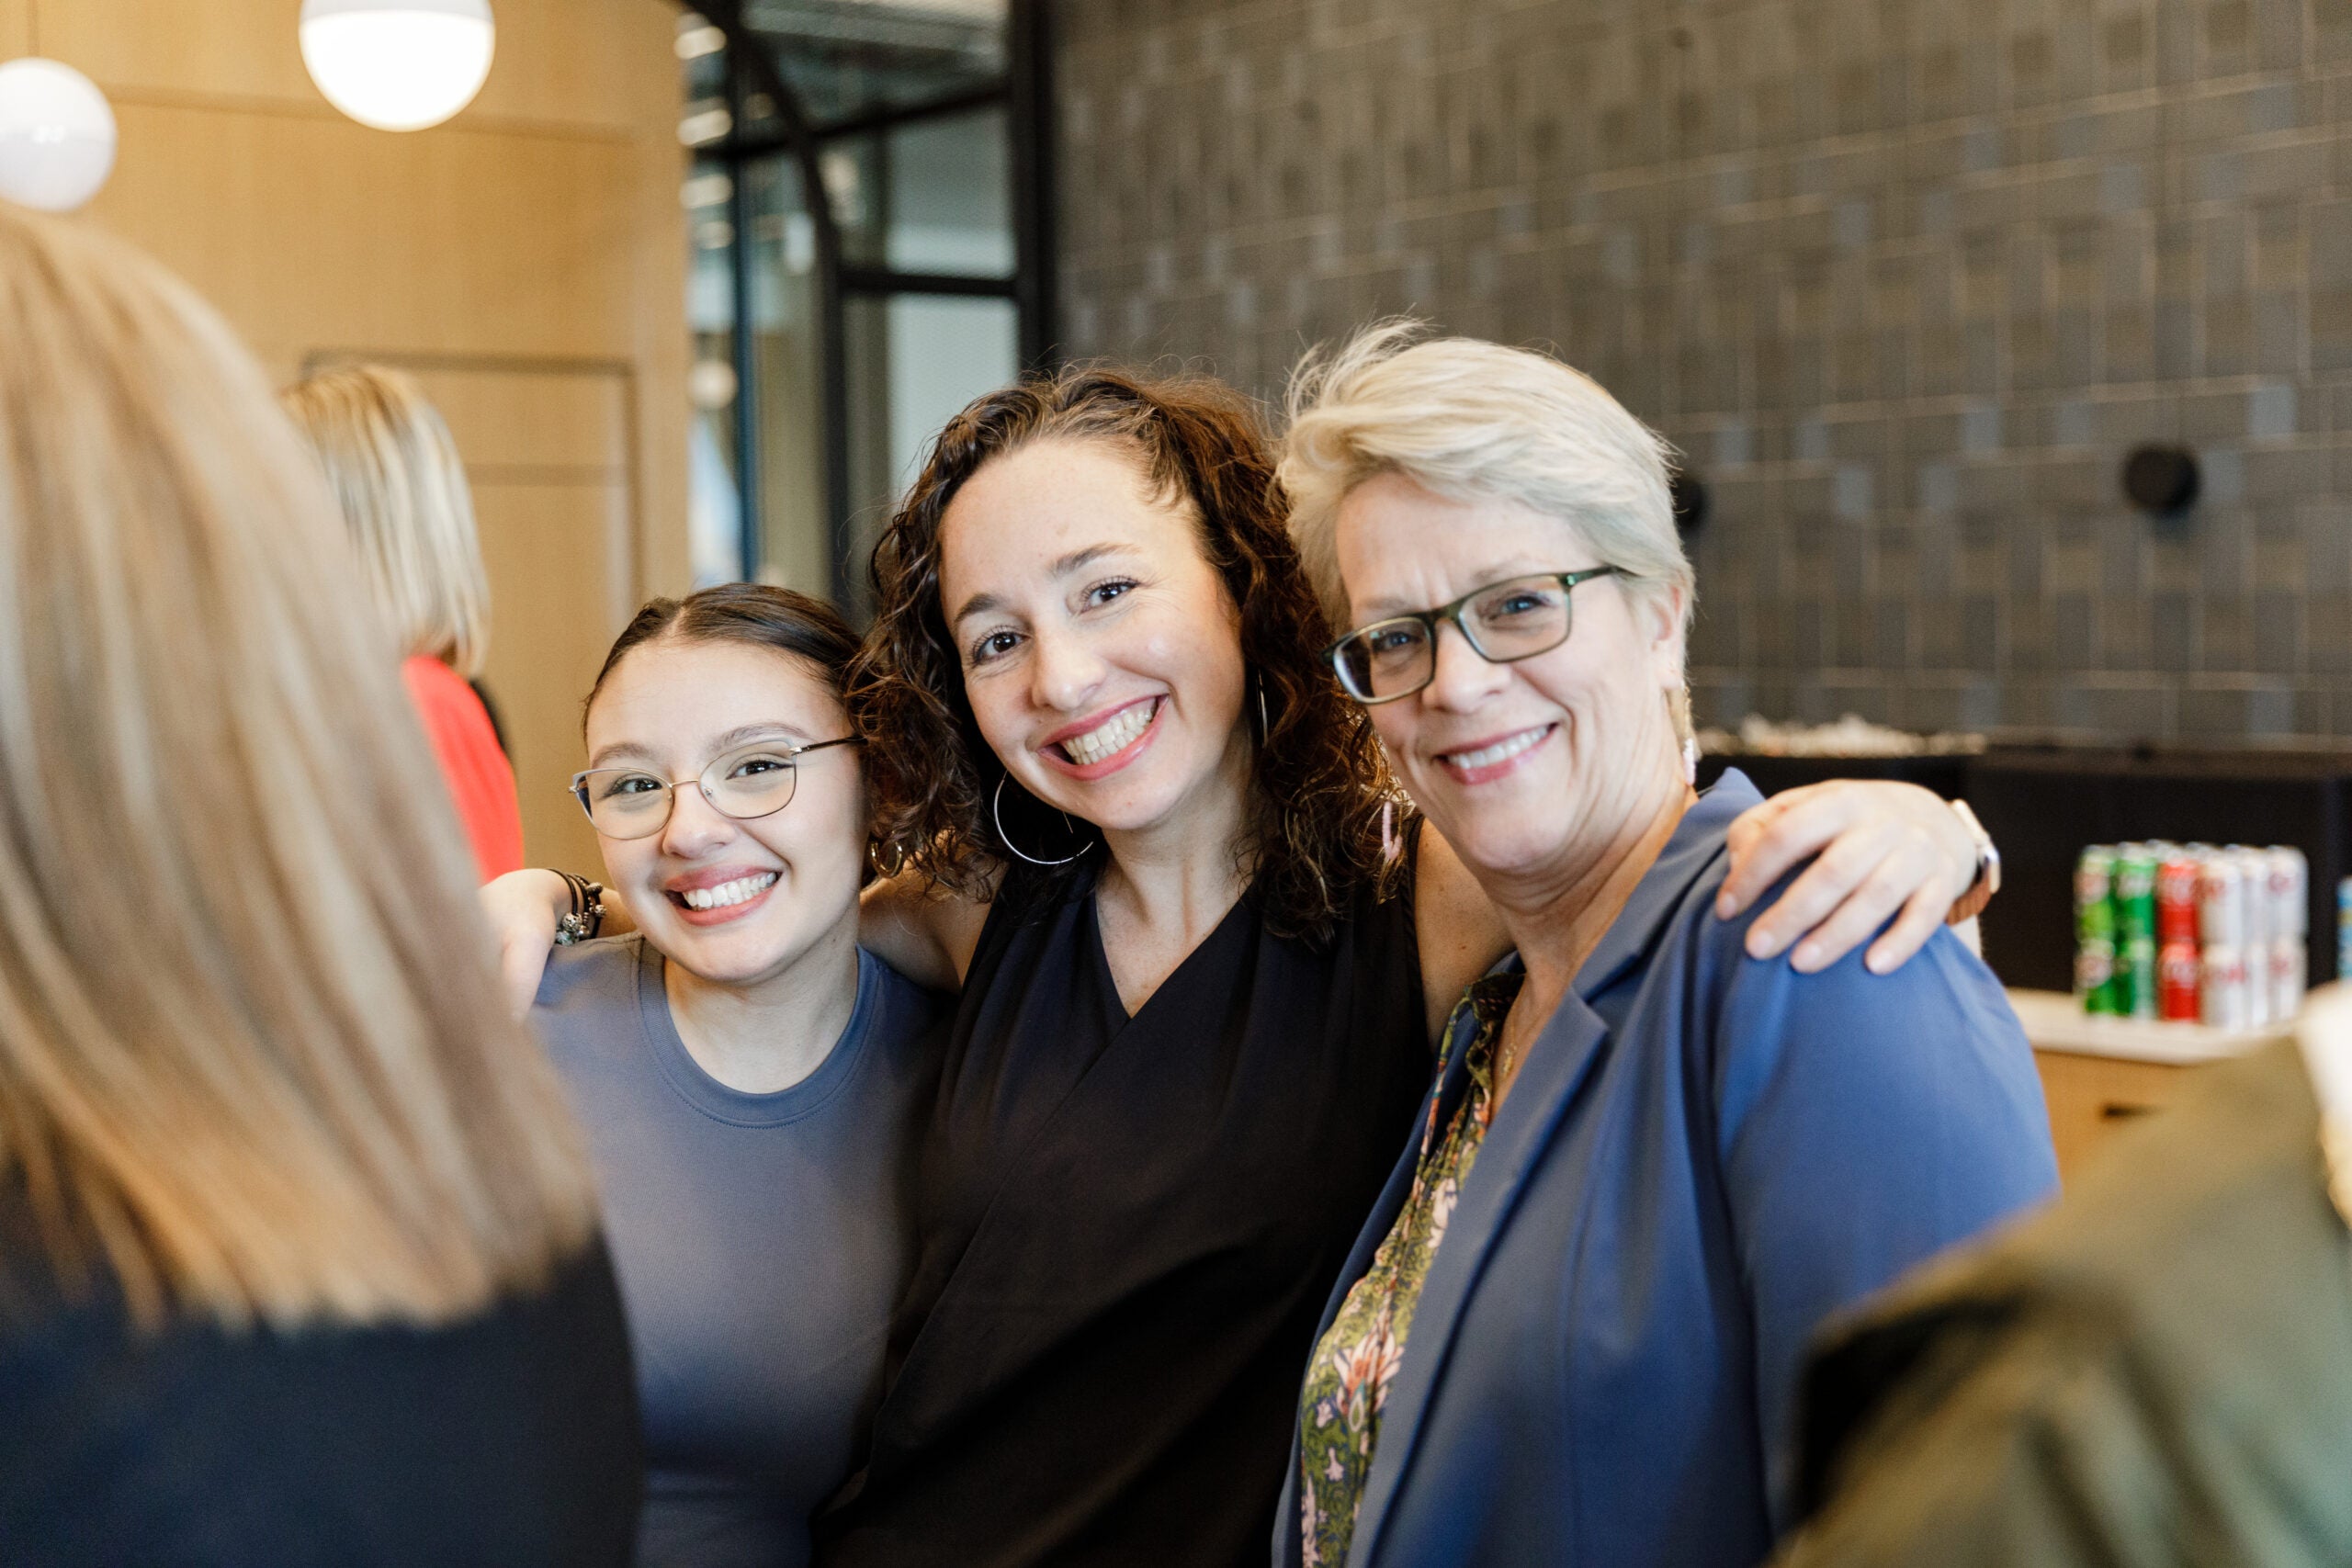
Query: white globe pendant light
(398, 64)
(56, 135)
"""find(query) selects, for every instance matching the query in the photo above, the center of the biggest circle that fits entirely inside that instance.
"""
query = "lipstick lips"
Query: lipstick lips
(1055, 757)
(1494, 758)
(721, 880)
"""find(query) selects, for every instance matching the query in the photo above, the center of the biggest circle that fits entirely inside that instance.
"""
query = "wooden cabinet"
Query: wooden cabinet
(2091, 1097)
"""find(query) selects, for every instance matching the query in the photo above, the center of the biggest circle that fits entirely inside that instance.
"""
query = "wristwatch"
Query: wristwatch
(1971, 904)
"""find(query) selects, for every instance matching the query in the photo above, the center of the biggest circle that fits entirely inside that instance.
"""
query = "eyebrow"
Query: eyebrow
(742, 735)
(1062, 566)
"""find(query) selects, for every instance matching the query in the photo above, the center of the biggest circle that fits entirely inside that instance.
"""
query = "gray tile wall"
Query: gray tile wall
(1904, 281)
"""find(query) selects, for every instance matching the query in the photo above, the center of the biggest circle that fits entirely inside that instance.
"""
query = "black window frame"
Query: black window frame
(1024, 95)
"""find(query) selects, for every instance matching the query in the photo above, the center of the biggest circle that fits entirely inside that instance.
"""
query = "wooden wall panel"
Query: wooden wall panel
(573, 63)
(318, 232)
(551, 548)
(2093, 1098)
(527, 260)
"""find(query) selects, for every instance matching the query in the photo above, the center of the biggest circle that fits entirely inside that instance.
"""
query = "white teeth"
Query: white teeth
(1486, 756)
(1112, 736)
(742, 890)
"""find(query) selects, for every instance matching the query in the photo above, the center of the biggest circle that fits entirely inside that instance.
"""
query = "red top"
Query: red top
(481, 781)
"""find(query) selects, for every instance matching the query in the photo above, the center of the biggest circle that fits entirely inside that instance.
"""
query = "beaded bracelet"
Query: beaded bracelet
(587, 915)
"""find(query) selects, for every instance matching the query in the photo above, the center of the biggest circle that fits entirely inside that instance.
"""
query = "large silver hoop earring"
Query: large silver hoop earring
(1265, 725)
(996, 810)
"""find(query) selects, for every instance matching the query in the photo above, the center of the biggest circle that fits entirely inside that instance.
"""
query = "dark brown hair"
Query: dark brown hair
(1315, 835)
(779, 619)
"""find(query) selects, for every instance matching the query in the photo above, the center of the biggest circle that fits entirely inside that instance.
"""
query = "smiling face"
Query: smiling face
(1530, 768)
(1101, 652)
(772, 889)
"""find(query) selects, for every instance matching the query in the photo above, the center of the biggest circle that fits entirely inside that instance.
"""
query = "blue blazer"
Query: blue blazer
(1702, 1156)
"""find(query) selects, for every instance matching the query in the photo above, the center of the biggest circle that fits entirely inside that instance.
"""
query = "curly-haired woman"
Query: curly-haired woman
(1204, 950)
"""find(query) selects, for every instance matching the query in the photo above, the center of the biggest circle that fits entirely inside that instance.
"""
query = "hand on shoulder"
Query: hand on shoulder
(1877, 847)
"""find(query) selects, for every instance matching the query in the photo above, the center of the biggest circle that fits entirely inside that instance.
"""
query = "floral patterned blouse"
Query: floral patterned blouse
(1346, 1384)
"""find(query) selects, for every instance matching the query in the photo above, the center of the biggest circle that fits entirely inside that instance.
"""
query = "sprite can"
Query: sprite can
(2095, 979)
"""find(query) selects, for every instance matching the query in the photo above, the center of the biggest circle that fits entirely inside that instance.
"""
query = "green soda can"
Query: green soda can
(2095, 928)
(2135, 894)
(2136, 978)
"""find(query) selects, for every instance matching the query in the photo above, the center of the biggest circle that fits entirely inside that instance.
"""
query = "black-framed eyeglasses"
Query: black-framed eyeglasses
(1503, 622)
(745, 783)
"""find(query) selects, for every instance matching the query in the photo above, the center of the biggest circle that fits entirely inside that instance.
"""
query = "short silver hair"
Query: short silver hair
(1466, 419)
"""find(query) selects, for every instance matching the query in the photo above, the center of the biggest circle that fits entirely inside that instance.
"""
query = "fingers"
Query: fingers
(1921, 916)
(1767, 841)
(1889, 887)
(1814, 897)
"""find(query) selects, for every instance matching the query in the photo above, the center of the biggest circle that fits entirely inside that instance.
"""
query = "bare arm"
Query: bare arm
(522, 908)
(1461, 936)
(925, 935)
(923, 932)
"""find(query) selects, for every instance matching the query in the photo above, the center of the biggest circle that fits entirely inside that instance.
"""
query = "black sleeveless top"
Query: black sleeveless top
(1129, 1228)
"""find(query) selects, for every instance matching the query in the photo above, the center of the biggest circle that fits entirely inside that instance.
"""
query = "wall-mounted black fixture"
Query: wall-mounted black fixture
(2160, 479)
(1689, 493)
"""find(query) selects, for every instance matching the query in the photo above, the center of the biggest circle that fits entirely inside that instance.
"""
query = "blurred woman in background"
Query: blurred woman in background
(395, 472)
(298, 1254)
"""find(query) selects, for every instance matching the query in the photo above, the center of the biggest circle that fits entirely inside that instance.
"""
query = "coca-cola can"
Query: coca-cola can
(2286, 978)
(2254, 867)
(2178, 975)
(2176, 898)
(2224, 990)
(2290, 883)
(2220, 899)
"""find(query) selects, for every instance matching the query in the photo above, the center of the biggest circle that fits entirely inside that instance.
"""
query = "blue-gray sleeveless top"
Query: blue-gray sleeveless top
(762, 1240)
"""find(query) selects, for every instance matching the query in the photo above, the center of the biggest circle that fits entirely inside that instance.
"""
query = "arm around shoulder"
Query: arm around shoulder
(924, 932)
(1459, 932)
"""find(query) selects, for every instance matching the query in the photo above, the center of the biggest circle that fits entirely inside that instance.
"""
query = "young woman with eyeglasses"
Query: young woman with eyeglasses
(1203, 951)
(752, 1082)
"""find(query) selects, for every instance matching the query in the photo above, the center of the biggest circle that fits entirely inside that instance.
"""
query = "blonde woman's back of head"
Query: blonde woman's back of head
(252, 1058)
(395, 472)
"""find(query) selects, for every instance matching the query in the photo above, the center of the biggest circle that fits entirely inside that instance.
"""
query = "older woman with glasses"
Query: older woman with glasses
(1650, 1163)
(750, 1080)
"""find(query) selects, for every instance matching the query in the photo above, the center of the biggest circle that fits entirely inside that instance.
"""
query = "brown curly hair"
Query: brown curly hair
(1321, 796)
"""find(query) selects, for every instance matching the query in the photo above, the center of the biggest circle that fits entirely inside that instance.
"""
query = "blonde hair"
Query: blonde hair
(1466, 419)
(254, 1060)
(395, 471)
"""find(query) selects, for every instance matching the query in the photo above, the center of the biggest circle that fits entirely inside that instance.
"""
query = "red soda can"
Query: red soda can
(2177, 974)
(2177, 899)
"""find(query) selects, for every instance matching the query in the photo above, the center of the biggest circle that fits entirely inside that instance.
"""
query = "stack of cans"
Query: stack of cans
(2191, 932)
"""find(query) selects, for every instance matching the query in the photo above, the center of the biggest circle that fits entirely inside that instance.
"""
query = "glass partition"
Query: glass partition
(833, 336)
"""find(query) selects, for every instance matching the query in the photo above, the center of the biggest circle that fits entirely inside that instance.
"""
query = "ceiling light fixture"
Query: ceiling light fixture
(57, 135)
(398, 64)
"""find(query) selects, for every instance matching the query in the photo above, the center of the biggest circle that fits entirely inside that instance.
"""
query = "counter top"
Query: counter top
(2054, 1021)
